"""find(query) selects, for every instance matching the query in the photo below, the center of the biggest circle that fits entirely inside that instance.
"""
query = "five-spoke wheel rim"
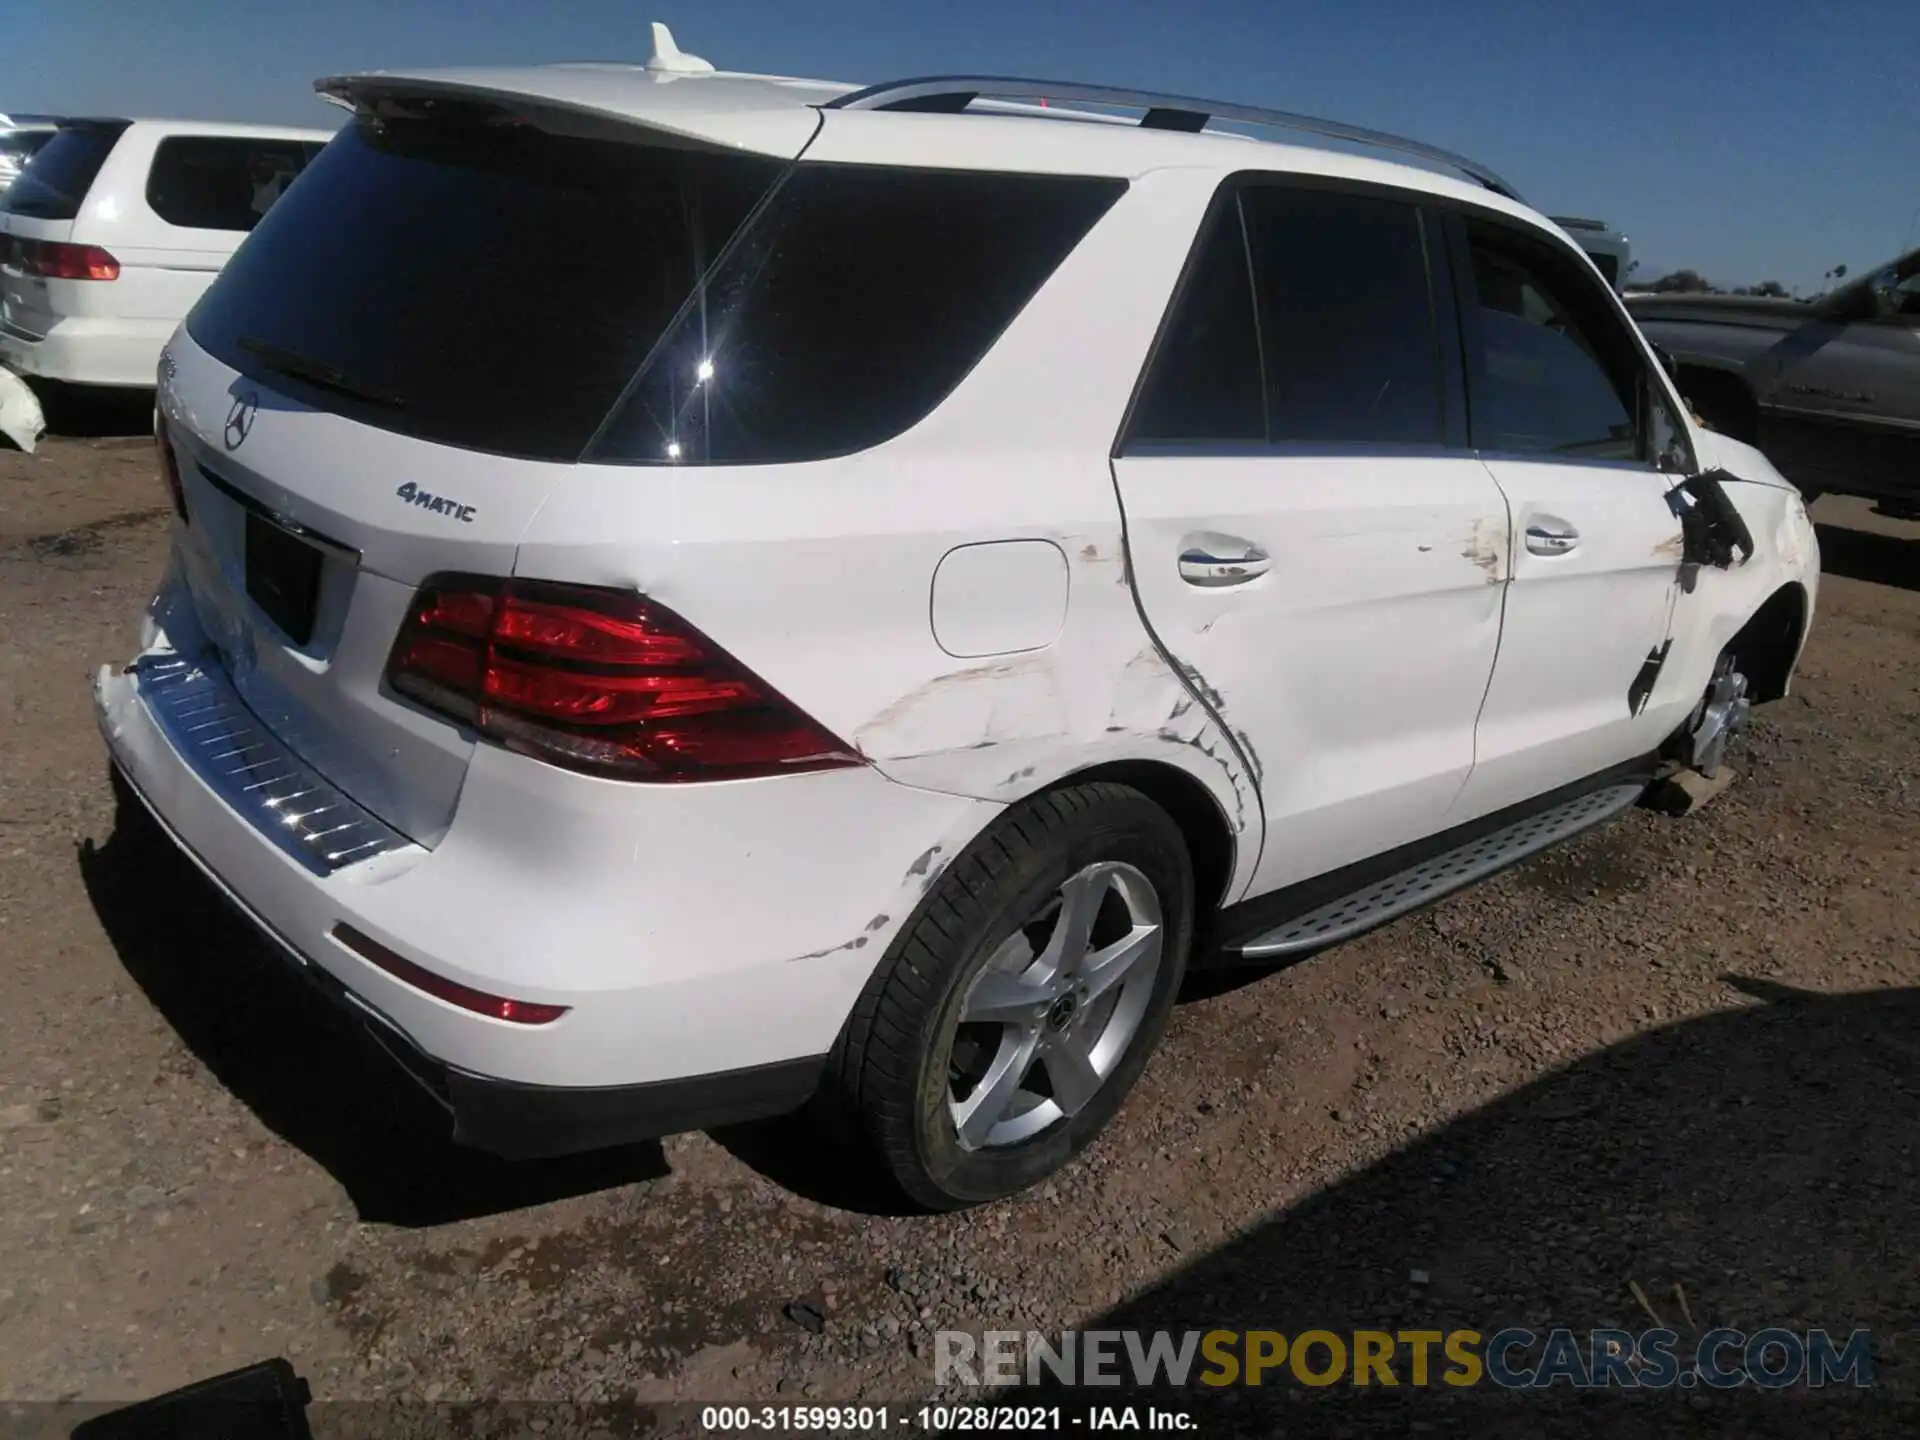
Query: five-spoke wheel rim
(1049, 1019)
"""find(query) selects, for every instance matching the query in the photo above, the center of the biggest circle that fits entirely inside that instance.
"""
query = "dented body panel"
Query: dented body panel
(1579, 625)
(1786, 554)
(823, 578)
(1351, 671)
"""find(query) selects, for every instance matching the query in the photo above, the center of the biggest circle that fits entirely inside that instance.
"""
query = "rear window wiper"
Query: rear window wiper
(315, 372)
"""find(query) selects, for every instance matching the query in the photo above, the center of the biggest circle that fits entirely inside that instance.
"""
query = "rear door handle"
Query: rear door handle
(1551, 537)
(1219, 565)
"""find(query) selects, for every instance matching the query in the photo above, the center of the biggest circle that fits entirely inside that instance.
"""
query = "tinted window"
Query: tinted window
(1559, 371)
(1346, 317)
(472, 281)
(1204, 381)
(204, 183)
(57, 179)
(858, 298)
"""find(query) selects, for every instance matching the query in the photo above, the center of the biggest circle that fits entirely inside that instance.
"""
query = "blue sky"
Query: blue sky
(1752, 141)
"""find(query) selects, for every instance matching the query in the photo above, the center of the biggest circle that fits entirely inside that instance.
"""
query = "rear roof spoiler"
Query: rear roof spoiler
(593, 102)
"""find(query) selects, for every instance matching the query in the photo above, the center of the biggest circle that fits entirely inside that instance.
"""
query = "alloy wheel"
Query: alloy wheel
(1049, 1018)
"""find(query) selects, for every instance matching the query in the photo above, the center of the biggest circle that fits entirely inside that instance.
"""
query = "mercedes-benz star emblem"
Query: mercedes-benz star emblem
(246, 405)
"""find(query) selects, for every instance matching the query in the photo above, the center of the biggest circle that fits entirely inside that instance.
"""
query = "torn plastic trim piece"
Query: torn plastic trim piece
(1642, 687)
(1711, 527)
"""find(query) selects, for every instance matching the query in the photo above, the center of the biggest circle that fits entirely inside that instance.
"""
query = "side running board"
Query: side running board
(1471, 861)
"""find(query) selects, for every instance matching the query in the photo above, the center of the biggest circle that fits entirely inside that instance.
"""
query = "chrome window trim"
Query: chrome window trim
(1289, 450)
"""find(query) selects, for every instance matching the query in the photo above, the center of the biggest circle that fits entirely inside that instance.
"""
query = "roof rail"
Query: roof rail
(951, 94)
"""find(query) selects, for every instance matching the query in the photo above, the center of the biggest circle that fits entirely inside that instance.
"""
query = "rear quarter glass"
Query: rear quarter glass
(855, 301)
(221, 182)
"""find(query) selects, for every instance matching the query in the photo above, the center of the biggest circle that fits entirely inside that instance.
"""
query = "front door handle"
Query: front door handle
(1551, 537)
(1217, 565)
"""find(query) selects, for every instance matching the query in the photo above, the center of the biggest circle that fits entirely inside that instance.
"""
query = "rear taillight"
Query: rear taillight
(169, 468)
(58, 260)
(597, 680)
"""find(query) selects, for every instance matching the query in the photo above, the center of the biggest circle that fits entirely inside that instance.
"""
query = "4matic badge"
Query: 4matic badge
(439, 504)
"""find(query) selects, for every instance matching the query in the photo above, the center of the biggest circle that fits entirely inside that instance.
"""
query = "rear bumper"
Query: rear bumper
(708, 941)
(519, 1121)
(89, 350)
(532, 1122)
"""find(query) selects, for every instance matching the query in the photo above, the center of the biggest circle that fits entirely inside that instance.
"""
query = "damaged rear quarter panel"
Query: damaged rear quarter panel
(819, 576)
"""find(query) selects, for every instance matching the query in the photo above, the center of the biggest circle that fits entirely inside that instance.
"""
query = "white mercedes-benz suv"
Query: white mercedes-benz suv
(696, 593)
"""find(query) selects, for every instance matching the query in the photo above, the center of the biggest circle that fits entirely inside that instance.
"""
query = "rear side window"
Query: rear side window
(1306, 317)
(203, 182)
(855, 301)
(1558, 371)
(55, 182)
(1346, 316)
(471, 280)
(1205, 381)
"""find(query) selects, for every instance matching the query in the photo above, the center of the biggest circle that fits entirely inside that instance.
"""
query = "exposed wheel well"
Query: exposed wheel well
(1722, 399)
(1768, 644)
(1210, 842)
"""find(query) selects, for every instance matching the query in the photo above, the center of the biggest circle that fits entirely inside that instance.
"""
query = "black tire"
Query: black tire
(889, 1072)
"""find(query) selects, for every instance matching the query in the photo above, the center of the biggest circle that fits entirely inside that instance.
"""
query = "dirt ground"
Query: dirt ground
(1681, 1053)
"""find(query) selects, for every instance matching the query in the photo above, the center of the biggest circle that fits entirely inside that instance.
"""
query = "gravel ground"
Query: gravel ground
(1679, 1053)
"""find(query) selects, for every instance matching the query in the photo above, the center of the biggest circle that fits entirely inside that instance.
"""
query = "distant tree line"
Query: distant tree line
(1692, 282)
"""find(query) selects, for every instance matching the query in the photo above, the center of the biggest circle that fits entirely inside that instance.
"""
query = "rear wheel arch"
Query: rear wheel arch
(1211, 844)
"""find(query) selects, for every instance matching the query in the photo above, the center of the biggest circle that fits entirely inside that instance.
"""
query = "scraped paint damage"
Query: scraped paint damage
(1051, 713)
(857, 943)
(1486, 546)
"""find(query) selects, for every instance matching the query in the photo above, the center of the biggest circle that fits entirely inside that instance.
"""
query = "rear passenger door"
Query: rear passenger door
(1308, 534)
(1569, 418)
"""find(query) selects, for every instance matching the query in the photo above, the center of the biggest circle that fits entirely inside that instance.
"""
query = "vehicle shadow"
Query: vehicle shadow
(1869, 555)
(1755, 1167)
(810, 1154)
(309, 1073)
(89, 413)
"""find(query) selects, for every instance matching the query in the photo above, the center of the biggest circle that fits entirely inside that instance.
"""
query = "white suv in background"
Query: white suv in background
(694, 592)
(116, 227)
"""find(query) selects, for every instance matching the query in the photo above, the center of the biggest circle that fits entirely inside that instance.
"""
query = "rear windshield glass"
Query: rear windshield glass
(858, 298)
(55, 182)
(471, 280)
